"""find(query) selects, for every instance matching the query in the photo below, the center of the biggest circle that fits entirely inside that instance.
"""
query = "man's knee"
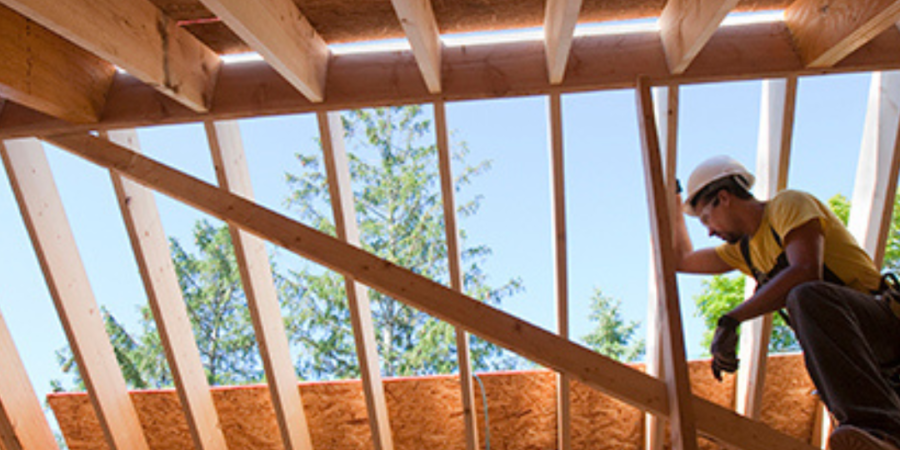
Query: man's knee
(809, 296)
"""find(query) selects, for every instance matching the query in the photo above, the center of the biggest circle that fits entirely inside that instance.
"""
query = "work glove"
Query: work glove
(724, 347)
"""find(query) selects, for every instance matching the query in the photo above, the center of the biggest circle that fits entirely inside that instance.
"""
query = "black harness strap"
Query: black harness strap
(780, 264)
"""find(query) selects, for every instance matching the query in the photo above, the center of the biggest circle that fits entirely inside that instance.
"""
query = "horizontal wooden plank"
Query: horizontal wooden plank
(595, 370)
(392, 78)
(48, 73)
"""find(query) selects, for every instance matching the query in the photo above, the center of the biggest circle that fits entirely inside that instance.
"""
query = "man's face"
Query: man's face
(714, 215)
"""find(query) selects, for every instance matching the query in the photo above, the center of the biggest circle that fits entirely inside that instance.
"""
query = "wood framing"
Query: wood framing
(331, 132)
(49, 74)
(560, 259)
(560, 18)
(22, 422)
(44, 217)
(448, 199)
(687, 25)
(773, 156)
(681, 414)
(420, 26)
(147, 44)
(279, 32)
(665, 112)
(259, 287)
(826, 31)
(154, 261)
(599, 372)
(876, 173)
(254, 89)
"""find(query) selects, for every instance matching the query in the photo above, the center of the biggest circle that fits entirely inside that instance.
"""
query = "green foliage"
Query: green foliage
(396, 187)
(612, 336)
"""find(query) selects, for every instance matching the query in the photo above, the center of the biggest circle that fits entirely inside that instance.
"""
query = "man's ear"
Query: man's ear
(724, 197)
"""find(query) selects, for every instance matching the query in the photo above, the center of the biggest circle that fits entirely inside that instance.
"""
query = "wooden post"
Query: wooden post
(44, 216)
(151, 251)
(331, 131)
(681, 414)
(456, 276)
(256, 273)
(666, 114)
(773, 156)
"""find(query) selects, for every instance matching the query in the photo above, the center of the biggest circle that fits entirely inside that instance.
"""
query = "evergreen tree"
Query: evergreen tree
(612, 336)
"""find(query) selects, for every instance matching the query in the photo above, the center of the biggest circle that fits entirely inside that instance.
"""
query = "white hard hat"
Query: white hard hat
(714, 169)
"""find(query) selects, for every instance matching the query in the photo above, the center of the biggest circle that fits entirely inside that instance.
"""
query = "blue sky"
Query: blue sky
(606, 203)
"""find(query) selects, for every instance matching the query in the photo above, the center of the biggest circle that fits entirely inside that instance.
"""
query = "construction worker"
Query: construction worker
(805, 261)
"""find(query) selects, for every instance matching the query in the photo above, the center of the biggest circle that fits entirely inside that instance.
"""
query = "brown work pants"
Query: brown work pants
(851, 345)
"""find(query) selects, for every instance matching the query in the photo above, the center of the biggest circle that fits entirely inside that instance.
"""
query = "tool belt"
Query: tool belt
(889, 291)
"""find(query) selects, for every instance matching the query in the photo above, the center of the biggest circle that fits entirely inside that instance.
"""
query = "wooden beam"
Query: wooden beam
(685, 26)
(666, 114)
(876, 173)
(254, 89)
(420, 26)
(826, 31)
(560, 18)
(454, 257)
(773, 156)
(42, 210)
(681, 414)
(597, 371)
(136, 36)
(151, 250)
(49, 74)
(279, 32)
(560, 261)
(331, 132)
(23, 425)
(262, 298)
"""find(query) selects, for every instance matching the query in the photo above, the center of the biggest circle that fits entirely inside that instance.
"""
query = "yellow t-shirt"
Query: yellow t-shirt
(790, 209)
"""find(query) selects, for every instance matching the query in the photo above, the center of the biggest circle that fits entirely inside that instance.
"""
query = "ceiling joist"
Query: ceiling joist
(136, 36)
(597, 371)
(687, 25)
(560, 18)
(420, 26)
(49, 74)
(826, 31)
(279, 32)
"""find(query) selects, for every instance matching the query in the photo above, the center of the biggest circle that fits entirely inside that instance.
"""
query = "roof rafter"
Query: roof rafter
(148, 44)
(49, 74)
(420, 26)
(597, 371)
(826, 31)
(687, 25)
(279, 32)
(560, 18)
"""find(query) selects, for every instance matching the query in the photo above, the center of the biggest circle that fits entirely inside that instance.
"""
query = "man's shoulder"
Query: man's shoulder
(792, 198)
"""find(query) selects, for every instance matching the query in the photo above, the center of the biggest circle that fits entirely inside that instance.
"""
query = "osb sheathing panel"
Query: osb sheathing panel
(426, 412)
(362, 20)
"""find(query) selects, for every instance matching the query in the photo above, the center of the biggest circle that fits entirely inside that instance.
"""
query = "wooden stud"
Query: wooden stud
(256, 273)
(151, 250)
(42, 210)
(826, 31)
(876, 173)
(136, 36)
(456, 276)
(22, 422)
(331, 132)
(681, 414)
(773, 156)
(560, 262)
(49, 74)
(685, 26)
(560, 18)
(666, 114)
(420, 26)
(597, 371)
(279, 32)
(254, 89)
